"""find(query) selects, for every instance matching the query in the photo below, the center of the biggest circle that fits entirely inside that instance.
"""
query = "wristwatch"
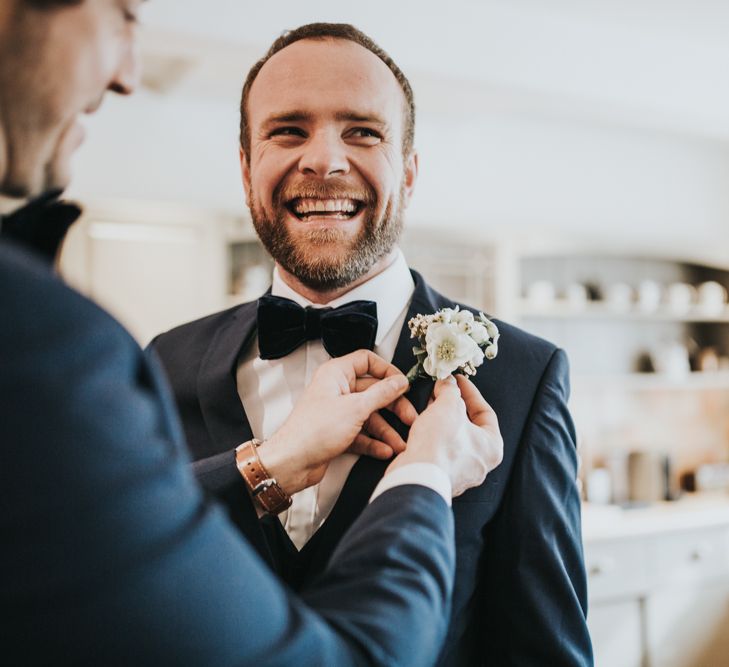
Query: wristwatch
(264, 489)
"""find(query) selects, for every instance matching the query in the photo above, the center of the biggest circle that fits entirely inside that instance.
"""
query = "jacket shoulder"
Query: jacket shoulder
(201, 329)
(41, 309)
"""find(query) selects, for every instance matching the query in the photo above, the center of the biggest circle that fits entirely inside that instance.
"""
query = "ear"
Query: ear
(410, 177)
(245, 172)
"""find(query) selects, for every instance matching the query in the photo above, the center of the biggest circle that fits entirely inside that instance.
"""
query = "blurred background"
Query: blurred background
(574, 180)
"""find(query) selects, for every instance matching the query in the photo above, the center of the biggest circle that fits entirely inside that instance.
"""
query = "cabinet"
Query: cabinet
(658, 582)
(615, 629)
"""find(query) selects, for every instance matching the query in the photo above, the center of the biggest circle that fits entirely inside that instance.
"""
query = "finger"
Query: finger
(381, 393)
(361, 384)
(364, 444)
(446, 389)
(479, 411)
(404, 410)
(364, 362)
(378, 428)
(401, 407)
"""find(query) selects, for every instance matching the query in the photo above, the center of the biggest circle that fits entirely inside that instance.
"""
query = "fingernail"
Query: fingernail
(398, 381)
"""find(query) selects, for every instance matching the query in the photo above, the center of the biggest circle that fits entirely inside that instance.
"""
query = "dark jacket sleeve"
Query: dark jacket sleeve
(111, 556)
(533, 564)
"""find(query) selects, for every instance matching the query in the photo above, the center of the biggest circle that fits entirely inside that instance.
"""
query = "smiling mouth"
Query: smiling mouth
(309, 208)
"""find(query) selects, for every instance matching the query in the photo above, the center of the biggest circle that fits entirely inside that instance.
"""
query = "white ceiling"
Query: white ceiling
(658, 64)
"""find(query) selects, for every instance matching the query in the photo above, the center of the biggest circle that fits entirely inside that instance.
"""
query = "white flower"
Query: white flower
(462, 316)
(451, 340)
(490, 327)
(479, 333)
(448, 349)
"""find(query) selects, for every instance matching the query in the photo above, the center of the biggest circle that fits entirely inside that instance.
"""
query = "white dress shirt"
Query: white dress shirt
(269, 389)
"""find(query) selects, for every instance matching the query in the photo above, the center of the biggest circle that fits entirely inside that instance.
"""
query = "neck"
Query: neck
(325, 296)
(3, 157)
(6, 11)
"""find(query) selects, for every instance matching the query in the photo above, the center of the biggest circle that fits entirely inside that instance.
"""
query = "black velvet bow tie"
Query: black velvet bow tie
(41, 224)
(283, 325)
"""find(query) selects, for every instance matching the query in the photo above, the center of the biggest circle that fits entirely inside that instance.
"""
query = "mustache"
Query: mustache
(317, 189)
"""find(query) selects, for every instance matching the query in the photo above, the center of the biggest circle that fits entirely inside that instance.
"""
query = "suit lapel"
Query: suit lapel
(224, 415)
(423, 302)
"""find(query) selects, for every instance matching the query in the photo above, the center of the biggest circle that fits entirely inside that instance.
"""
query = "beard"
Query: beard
(328, 259)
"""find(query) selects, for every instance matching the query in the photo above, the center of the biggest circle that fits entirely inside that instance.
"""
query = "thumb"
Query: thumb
(382, 393)
(447, 387)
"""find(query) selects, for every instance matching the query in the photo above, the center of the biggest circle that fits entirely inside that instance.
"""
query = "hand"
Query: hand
(459, 432)
(336, 413)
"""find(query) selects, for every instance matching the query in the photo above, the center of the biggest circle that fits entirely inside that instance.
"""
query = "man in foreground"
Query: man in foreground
(110, 553)
(327, 127)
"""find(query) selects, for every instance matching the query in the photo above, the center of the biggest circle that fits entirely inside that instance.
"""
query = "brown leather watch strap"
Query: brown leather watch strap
(264, 489)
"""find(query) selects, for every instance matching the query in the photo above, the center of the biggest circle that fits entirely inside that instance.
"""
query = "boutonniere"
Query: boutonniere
(451, 341)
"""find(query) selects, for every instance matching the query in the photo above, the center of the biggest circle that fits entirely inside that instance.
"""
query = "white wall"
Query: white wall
(531, 172)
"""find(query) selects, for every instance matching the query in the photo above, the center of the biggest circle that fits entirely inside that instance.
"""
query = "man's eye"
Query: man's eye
(365, 132)
(287, 132)
(365, 135)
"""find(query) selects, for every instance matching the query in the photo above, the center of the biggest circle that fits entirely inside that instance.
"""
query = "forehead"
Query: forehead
(325, 77)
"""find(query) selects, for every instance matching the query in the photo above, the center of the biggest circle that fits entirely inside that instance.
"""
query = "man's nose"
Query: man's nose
(324, 155)
(127, 76)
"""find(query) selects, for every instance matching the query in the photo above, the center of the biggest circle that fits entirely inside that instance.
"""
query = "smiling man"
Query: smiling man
(328, 165)
(336, 223)
(111, 553)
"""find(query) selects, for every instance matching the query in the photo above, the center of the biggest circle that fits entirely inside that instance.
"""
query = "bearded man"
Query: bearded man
(329, 167)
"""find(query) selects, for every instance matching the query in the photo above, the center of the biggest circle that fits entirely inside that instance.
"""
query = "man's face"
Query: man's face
(56, 64)
(327, 182)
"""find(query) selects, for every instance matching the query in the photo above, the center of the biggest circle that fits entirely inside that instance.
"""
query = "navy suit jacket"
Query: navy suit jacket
(520, 594)
(110, 553)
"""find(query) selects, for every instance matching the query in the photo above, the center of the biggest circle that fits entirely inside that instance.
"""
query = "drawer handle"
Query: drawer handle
(700, 553)
(602, 567)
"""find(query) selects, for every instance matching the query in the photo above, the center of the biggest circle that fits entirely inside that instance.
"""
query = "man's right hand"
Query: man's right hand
(338, 412)
(459, 432)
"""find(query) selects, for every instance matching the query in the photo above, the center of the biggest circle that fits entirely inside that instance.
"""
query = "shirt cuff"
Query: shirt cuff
(422, 474)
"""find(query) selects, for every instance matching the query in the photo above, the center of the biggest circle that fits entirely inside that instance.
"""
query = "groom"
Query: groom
(327, 129)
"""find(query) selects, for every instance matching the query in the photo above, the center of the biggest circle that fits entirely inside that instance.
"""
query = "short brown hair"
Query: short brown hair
(321, 31)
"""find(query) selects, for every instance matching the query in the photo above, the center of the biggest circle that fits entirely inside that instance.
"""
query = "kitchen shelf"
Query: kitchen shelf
(596, 310)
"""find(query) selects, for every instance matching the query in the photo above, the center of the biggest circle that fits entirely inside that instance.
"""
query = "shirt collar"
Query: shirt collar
(390, 289)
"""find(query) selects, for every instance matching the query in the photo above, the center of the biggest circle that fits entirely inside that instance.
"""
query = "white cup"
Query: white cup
(541, 293)
(680, 297)
(650, 294)
(712, 297)
(619, 296)
(576, 295)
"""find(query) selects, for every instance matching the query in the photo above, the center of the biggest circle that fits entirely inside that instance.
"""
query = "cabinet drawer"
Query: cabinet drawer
(616, 569)
(691, 556)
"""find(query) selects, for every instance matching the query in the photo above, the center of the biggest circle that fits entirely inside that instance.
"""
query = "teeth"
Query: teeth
(308, 206)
